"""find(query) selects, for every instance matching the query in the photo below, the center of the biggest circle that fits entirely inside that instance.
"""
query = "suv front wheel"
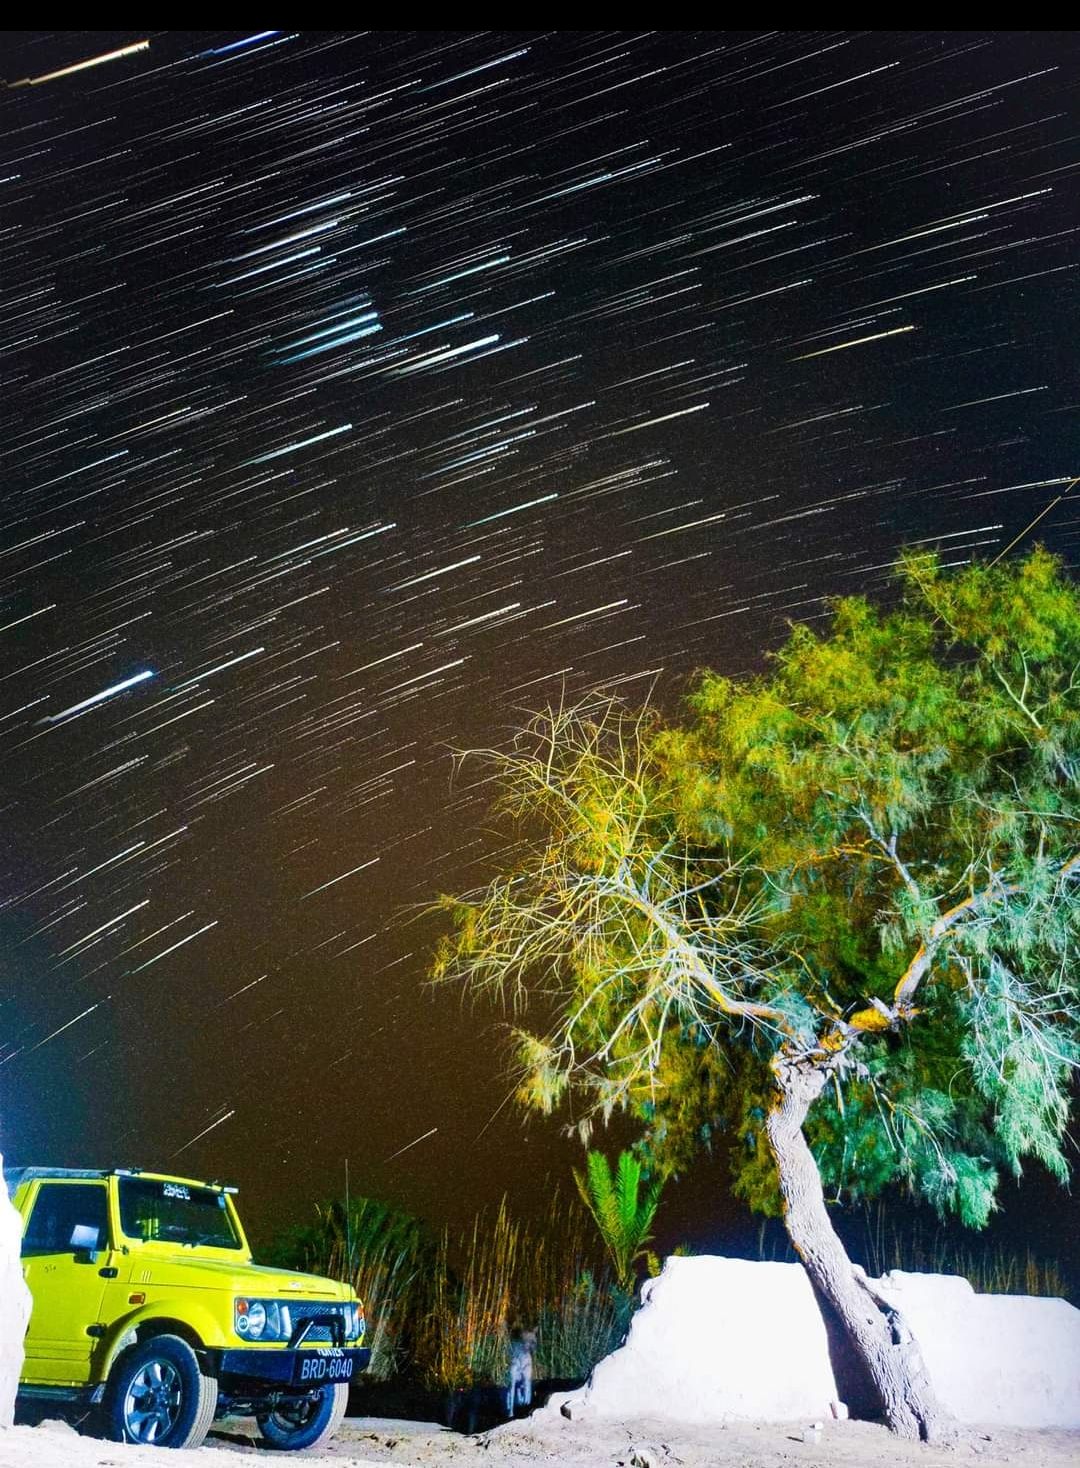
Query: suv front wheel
(158, 1396)
(308, 1423)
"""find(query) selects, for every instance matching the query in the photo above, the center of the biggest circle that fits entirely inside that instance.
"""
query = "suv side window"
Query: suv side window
(60, 1209)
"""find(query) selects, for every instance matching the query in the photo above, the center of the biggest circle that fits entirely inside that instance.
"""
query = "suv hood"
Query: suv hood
(195, 1271)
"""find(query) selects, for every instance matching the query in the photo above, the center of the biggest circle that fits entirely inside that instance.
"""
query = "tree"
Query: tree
(833, 909)
(623, 1215)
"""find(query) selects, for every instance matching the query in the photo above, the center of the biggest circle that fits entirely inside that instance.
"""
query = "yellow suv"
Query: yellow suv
(149, 1307)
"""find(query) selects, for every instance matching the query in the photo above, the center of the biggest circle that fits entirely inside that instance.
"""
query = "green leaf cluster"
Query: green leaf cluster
(623, 1213)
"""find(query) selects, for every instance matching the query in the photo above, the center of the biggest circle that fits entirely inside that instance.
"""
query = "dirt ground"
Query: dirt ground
(547, 1438)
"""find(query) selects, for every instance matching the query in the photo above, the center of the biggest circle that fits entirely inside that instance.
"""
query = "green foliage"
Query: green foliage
(865, 859)
(622, 1213)
(467, 1332)
(881, 774)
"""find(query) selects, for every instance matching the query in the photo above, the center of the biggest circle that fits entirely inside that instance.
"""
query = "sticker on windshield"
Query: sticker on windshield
(176, 1190)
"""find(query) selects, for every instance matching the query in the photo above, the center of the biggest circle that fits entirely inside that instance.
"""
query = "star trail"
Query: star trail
(363, 389)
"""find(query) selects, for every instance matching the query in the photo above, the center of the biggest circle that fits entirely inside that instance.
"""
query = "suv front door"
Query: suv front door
(65, 1248)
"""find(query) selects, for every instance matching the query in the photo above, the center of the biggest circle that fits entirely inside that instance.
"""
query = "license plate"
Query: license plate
(324, 1367)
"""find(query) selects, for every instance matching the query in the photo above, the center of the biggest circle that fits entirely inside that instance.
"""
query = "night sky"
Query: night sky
(361, 390)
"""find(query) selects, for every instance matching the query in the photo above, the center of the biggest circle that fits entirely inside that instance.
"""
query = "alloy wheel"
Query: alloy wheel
(152, 1402)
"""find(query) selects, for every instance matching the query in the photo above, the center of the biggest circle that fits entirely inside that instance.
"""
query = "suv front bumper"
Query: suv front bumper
(304, 1370)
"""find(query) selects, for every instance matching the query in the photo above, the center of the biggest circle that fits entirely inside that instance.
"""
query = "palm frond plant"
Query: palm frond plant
(623, 1213)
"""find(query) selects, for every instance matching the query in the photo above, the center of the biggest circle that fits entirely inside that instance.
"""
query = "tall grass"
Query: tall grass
(925, 1245)
(992, 1269)
(505, 1273)
(440, 1310)
(386, 1255)
(582, 1327)
(466, 1336)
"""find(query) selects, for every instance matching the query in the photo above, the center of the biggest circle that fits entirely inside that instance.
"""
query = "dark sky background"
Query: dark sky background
(362, 389)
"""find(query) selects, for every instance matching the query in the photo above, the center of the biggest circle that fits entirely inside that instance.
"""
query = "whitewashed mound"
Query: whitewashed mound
(720, 1339)
(1012, 1360)
(14, 1304)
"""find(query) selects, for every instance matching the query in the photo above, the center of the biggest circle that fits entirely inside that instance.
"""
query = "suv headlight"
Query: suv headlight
(261, 1320)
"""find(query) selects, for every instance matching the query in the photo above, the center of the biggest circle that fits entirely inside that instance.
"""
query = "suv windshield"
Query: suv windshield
(157, 1210)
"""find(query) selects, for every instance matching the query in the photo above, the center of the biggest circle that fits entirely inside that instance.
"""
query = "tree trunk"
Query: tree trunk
(877, 1331)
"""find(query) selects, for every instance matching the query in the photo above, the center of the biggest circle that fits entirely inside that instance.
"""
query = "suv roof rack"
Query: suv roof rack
(14, 1176)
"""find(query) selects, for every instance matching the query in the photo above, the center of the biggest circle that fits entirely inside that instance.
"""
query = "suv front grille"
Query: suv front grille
(300, 1311)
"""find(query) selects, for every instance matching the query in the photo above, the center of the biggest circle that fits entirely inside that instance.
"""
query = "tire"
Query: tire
(158, 1396)
(310, 1423)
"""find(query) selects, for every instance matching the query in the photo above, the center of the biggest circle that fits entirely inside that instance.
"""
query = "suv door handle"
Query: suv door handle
(110, 1271)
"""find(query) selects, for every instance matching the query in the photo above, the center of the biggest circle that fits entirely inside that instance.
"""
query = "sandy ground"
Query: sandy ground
(549, 1439)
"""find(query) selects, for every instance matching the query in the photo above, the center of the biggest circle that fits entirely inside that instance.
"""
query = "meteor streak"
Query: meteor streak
(843, 346)
(415, 1141)
(51, 76)
(204, 1131)
(77, 708)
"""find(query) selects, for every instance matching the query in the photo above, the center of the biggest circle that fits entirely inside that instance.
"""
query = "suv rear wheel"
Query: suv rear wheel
(158, 1396)
(308, 1423)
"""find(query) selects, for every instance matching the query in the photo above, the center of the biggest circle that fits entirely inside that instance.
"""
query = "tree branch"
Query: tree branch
(692, 962)
(917, 969)
(889, 850)
(878, 1016)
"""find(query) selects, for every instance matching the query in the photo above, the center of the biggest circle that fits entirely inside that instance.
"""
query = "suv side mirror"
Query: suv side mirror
(84, 1242)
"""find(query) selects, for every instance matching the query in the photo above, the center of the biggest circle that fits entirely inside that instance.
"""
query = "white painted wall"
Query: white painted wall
(1007, 1359)
(720, 1338)
(14, 1305)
